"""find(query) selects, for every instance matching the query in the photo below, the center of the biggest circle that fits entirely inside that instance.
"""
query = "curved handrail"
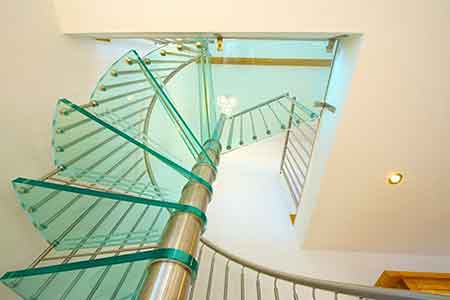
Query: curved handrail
(327, 285)
(150, 110)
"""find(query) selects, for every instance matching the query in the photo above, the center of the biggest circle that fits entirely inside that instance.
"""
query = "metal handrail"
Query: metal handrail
(285, 95)
(357, 290)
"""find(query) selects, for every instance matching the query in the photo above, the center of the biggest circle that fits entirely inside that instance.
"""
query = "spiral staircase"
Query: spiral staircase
(129, 163)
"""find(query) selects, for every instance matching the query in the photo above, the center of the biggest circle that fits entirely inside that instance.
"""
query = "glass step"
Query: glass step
(103, 142)
(190, 85)
(117, 277)
(265, 120)
(74, 217)
(132, 96)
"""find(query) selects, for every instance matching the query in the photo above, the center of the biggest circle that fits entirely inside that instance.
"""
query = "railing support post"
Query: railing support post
(169, 280)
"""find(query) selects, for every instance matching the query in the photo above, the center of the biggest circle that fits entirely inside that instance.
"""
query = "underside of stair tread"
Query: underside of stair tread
(115, 277)
(122, 160)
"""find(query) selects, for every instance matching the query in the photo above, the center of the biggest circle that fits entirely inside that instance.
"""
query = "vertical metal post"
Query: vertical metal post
(168, 280)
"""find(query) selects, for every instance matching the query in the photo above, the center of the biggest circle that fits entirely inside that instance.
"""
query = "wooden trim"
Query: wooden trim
(106, 40)
(261, 61)
(437, 283)
(292, 217)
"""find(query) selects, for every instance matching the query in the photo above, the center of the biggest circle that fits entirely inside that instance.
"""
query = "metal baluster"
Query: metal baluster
(300, 183)
(104, 88)
(100, 129)
(253, 126)
(305, 136)
(124, 276)
(290, 156)
(95, 164)
(268, 132)
(291, 191)
(298, 116)
(275, 289)
(299, 141)
(73, 252)
(165, 61)
(139, 286)
(336, 296)
(288, 132)
(116, 97)
(291, 112)
(241, 130)
(230, 134)
(164, 53)
(102, 143)
(291, 178)
(298, 153)
(314, 293)
(242, 283)
(200, 252)
(282, 126)
(294, 292)
(211, 273)
(118, 223)
(227, 275)
(258, 286)
(76, 198)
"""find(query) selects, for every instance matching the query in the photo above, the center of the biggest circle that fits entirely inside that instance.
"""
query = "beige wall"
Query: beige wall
(39, 65)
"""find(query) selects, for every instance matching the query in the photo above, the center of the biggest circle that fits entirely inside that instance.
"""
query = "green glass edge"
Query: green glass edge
(114, 196)
(161, 91)
(164, 159)
(163, 253)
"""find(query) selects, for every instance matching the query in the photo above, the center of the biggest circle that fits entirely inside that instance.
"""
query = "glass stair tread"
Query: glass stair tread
(73, 217)
(116, 277)
(102, 139)
(129, 102)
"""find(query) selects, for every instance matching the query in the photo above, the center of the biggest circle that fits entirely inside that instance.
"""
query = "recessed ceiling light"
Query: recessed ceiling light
(395, 178)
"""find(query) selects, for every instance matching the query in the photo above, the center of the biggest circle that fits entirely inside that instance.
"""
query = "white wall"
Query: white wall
(39, 65)
(248, 216)
(395, 116)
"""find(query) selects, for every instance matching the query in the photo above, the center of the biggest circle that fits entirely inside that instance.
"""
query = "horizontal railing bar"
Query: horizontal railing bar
(92, 149)
(298, 153)
(100, 129)
(291, 190)
(138, 71)
(328, 285)
(299, 141)
(113, 251)
(101, 101)
(291, 177)
(309, 140)
(300, 183)
(51, 173)
(260, 104)
(166, 61)
(164, 53)
(289, 153)
(115, 109)
(303, 107)
(121, 84)
(96, 187)
(181, 47)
